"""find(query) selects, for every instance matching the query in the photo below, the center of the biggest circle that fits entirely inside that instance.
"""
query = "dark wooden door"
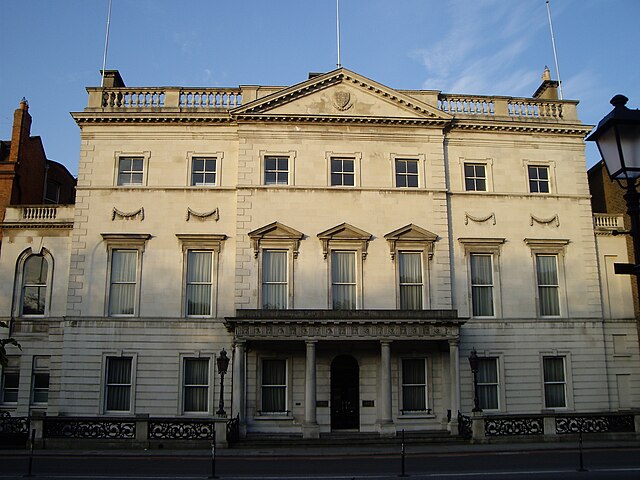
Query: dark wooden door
(345, 385)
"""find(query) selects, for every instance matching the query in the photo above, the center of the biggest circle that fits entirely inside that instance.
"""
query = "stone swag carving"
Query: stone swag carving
(467, 217)
(215, 214)
(127, 215)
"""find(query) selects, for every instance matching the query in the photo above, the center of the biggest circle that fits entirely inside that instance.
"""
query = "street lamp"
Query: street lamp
(223, 365)
(618, 138)
(474, 363)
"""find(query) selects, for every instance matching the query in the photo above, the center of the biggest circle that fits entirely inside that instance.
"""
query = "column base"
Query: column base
(387, 429)
(452, 426)
(311, 430)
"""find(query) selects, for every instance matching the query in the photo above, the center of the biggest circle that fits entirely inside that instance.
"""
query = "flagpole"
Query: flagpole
(555, 54)
(338, 29)
(106, 46)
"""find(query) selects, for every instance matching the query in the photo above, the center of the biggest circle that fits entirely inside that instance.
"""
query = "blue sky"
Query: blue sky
(52, 49)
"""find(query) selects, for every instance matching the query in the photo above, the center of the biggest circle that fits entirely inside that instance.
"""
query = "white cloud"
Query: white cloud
(482, 47)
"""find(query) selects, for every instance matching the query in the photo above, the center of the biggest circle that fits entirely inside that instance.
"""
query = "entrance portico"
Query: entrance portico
(344, 369)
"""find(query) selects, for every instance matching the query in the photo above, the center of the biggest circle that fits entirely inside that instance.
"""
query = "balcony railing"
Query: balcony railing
(223, 98)
(39, 214)
(607, 222)
(515, 108)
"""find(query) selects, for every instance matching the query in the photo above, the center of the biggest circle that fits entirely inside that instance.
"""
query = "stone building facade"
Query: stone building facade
(349, 244)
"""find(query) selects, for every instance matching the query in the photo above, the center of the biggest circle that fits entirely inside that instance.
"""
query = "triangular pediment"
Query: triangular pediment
(276, 235)
(411, 233)
(276, 230)
(344, 231)
(342, 95)
(411, 236)
(345, 236)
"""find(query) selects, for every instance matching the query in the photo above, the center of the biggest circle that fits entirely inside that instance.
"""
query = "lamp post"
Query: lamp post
(223, 365)
(618, 139)
(474, 363)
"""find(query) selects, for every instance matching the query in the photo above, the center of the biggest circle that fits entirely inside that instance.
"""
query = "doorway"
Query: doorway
(345, 395)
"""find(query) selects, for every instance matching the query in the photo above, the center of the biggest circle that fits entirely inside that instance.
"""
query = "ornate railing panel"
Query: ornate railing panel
(233, 429)
(595, 424)
(186, 429)
(210, 98)
(464, 426)
(13, 425)
(498, 427)
(89, 428)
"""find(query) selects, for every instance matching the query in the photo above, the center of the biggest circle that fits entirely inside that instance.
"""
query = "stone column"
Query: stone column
(239, 386)
(454, 379)
(310, 427)
(387, 428)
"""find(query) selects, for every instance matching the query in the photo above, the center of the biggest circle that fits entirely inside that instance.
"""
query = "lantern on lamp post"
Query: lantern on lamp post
(474, 363)
(223, 364)
(618, 139)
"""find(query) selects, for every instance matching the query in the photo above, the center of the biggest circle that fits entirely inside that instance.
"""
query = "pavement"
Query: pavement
(340, 451)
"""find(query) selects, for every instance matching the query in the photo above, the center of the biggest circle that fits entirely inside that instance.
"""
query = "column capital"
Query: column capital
(454, 342)
(310, 342)
(386, 343)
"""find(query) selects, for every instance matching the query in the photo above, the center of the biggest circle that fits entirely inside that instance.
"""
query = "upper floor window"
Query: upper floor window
(345, 246)
(275, 246)
(34, 285)
(406, 172)
(203, 171)
(52, 193)
(548, 285)
(410, 277)
(130, 171)
(124, 281)
(276, 170)
(484, 275)
(125, 263)
(199, 283)
(118, 383)
(538, 179)
(200, 258)
(482, 284)
(343, 280)
(275, 290)
(343, 172)
(475, 177)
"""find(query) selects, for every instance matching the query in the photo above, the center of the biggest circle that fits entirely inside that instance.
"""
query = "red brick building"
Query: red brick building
(27, 177)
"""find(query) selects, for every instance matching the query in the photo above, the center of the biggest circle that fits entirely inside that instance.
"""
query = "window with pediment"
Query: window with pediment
(275, 246)
(345, 248)
(411, 248)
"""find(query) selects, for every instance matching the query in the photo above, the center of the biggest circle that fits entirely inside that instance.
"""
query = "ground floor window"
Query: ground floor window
(10, 382)
(274, 386)
(488, 383)
(555, 391)
(414, 385)
(196, 385)
(118, 384)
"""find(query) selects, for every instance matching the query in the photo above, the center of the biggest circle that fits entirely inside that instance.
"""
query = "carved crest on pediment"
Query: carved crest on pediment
(342, 100)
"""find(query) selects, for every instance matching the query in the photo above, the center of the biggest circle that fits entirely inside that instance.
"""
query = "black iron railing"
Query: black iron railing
(513, 425)
(595, 423)
(181, 429)
(94, 428)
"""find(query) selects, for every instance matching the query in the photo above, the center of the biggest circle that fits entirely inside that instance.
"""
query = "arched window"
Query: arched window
(35, 275)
